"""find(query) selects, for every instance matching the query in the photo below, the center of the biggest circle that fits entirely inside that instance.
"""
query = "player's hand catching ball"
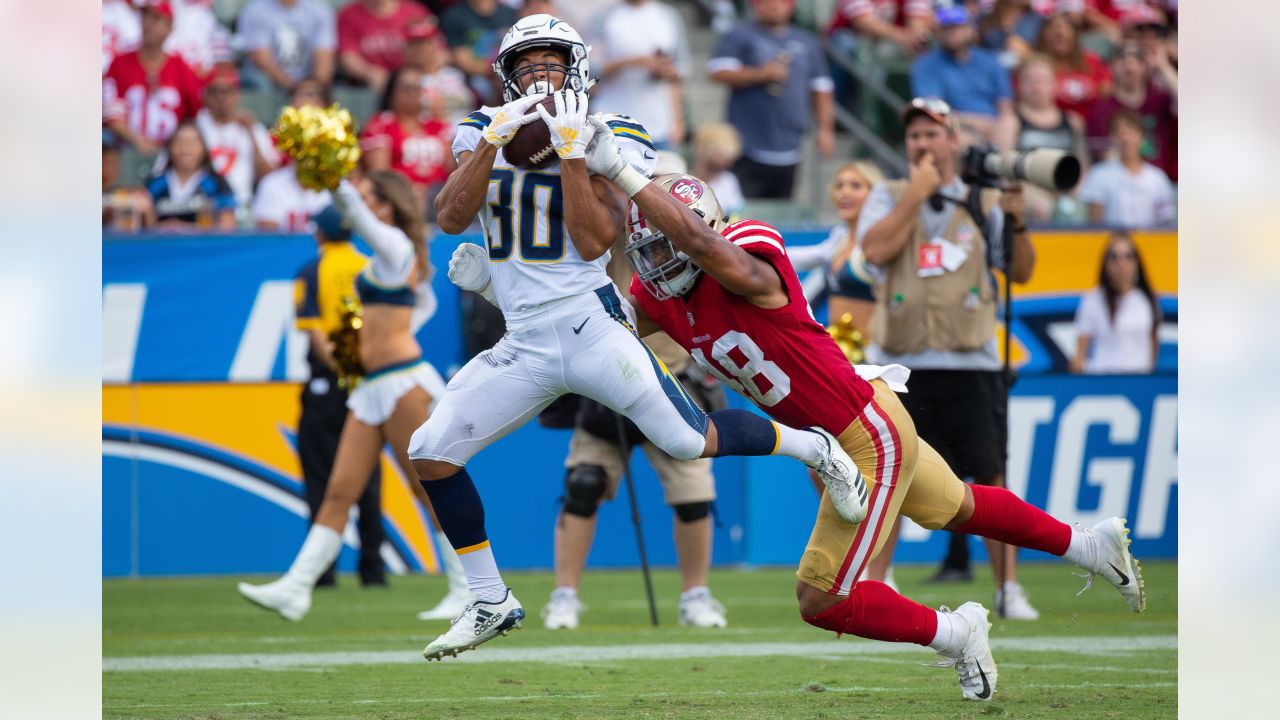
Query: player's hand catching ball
(570, 132)
(510, 118)
(469, 270)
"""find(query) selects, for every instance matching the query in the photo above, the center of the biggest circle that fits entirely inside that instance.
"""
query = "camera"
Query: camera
(1052, 170)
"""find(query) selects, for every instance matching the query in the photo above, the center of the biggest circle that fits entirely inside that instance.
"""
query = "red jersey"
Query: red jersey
(152, 106)
(378, 40)
(1076, 91)
(420, 155)
(781, 358)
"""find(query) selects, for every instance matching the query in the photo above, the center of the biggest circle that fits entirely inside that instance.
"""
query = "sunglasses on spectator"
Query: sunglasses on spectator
(1121, 256)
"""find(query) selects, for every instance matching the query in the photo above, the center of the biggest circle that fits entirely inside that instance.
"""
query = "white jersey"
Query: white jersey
(281, 200)
(534, 261)
(231, 147)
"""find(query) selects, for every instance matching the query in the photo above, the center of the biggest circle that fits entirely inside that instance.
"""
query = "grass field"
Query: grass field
(192, 648)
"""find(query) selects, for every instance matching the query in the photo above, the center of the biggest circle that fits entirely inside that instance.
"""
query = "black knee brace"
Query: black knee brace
(584, 485)
(692, 512)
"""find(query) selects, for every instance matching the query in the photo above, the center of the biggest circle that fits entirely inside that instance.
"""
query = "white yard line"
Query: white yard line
(571, 654)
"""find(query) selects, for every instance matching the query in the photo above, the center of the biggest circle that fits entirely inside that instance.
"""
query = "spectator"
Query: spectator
(124, 209)
(644, 58)
(474, 30)
(1134, 88)
(779, 88)
(240, 147)
(189, 193)
(147, 92)
(1151, 30)
(1127, 191)
(1081, 78)
(281, 204)
(198, 36)
(371, 38)
(121, 30)
(969, 78)
(936, 313)
(1040, 123)
(1010, 28)
(399, 138)
(444, 87)
(716, 147)
(1118, 322)
(906, 24)
(287, 41)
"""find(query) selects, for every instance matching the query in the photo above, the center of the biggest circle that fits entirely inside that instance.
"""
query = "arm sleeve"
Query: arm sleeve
(808, 257)
(306, 304)
(392, 250)
(878, 205)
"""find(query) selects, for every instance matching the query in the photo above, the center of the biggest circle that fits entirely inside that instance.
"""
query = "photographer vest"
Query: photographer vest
(949, 310)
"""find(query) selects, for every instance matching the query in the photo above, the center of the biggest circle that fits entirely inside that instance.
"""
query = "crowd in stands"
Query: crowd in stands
(188, 85)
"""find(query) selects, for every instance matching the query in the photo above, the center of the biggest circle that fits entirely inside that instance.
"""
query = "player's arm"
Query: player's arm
(465, 191)
(594, 210)
(740, 272)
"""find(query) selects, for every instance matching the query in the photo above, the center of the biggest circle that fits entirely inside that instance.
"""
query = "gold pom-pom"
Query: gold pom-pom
(851, 341)
(321, 141)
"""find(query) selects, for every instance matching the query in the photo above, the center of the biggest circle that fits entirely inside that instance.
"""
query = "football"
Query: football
(531, 147)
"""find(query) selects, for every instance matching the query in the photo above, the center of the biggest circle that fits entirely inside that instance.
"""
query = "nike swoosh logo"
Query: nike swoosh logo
(647, 156)
(986, 687)
(579, 328)
(1124, 578)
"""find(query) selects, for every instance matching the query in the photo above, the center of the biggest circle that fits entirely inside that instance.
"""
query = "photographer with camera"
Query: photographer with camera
(934, 240)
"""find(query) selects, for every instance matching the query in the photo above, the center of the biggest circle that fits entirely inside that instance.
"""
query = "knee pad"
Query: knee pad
(584, 485)
(692, 512)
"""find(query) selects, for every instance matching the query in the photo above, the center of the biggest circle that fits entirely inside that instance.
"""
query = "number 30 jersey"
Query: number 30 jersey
(781, 358)
(531, 254)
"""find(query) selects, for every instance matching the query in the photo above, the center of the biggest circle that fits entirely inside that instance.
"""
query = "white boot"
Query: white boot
(291, 595)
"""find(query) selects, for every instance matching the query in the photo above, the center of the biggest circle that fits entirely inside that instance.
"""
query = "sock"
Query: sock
(952, 633)
(1083, 550)
(461, 516)
(564, 591)
(873, 610)
(318, 552)
(695, 591)
(742, 432)
(1000, 515)
(450, 564)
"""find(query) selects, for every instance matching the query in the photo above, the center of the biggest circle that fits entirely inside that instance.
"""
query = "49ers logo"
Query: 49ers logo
(687, 190)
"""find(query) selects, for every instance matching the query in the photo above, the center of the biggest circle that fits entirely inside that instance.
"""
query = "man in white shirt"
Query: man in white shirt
(645, 56)
(283, 205)
(1127, 191)
(239, 146)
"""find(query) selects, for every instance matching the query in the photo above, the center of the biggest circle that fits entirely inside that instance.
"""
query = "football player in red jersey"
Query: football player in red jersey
(728, 295)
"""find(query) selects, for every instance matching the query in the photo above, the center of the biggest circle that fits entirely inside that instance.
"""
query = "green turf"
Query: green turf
(207, 617)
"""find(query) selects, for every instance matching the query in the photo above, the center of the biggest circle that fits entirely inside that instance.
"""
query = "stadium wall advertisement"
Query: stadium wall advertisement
(201, 373)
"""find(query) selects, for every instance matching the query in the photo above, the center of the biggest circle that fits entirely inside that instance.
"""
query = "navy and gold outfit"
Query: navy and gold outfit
(319, 289)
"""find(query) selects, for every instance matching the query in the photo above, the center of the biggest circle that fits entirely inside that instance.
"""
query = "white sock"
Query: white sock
(804, 445)
(318, 552)
(450, 564)
(695, 591)
(482, 574)
(564, 591)
(953, 632)
(1083, 550)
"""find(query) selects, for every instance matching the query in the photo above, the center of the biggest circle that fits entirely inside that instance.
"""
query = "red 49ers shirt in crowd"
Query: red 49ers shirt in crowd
(781, 358)
(151, 105)
(420, 154)
(376, 39)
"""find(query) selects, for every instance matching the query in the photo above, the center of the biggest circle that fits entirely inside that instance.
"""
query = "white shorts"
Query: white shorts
(377, 393)
(583, 345)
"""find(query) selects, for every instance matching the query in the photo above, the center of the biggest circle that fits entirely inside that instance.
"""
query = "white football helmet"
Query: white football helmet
(663, 270)
(539, 31)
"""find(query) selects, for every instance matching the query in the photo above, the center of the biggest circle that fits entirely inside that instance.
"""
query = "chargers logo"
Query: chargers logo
(687, 190)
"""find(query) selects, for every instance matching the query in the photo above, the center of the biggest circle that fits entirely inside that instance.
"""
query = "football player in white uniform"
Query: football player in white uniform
(548, 233)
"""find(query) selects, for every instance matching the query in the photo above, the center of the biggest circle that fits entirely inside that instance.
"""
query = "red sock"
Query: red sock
(1000, 515)
(873, 610)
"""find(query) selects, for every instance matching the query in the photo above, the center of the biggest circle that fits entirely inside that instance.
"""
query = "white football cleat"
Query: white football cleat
(1012, 603)
(975, 667)
(479, 623)
(450, 606)
(561, 612)
(291, 598)
(699, 609)
(1116, 563)
(845, 485)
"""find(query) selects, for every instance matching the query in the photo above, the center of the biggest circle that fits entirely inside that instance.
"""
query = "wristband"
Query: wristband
(631, 181)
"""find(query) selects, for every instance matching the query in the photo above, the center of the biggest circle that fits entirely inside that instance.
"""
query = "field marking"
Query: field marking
(579, 654)
(605, 696)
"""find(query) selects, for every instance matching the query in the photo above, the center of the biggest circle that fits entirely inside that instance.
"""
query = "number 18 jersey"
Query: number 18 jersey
(781, 358)
(531, 254)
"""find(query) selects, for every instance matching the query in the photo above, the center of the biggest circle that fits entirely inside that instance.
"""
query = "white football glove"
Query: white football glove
(570, 132)
(469, 270)
(604, 157)
(510, 118)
